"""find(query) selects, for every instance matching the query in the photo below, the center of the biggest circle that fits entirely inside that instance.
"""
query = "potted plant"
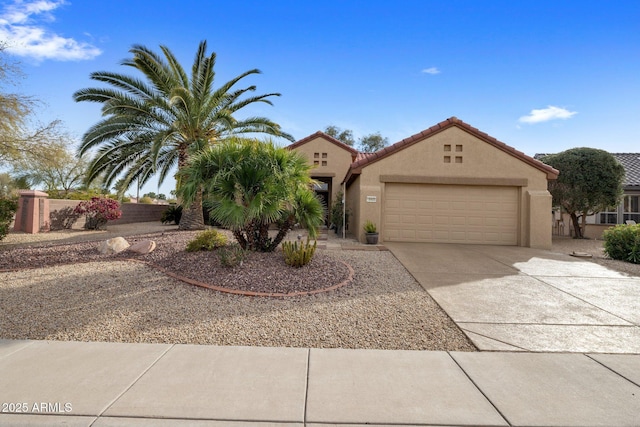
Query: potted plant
(371, 233)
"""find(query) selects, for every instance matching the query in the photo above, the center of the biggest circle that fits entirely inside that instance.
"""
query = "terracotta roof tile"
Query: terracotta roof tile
(362, 155)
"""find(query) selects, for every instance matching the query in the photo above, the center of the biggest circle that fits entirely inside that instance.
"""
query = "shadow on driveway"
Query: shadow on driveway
(508, 298)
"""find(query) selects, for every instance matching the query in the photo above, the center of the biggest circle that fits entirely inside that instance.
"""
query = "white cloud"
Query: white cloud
(432, 70)
(22, 29)
(547, 114)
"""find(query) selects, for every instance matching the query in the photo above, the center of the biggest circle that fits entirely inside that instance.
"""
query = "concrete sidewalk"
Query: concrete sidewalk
(508, 298)
(111, 384)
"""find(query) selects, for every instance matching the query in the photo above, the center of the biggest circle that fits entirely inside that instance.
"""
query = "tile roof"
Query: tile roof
(362, 155)
(364, 160)
(631, 164)
(326, 137)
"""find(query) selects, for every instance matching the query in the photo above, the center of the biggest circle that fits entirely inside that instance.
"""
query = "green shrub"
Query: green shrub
(172, 214)
(8, 208)
(623, 242)
(207, 241)
(231, 255)
(297, 254)
(369, 227)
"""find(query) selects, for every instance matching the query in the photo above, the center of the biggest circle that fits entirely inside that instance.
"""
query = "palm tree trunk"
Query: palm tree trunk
(285, 227)
(192, 218)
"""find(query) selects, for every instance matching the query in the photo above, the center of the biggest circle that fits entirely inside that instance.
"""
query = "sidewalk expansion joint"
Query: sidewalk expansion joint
(135, 380)
(504, 417)
(612, 370)
(306, 388)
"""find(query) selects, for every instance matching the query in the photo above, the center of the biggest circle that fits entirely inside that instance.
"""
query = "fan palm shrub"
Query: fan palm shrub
(251, 185)
(154, 123)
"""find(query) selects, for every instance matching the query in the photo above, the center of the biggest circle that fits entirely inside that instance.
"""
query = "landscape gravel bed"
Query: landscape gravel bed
(123, 301)
(260, 272)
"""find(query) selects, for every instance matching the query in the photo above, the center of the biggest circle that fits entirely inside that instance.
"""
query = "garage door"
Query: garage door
(451, 214)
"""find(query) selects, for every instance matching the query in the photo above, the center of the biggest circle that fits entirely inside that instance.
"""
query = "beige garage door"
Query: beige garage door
(451, 214)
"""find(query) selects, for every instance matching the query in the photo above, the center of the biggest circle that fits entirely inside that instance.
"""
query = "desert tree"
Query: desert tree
(590, 180)
(157, 122)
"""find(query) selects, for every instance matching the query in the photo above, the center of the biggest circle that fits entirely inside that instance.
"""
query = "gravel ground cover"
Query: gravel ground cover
(111, 299)
(260, 272)
(567, 245)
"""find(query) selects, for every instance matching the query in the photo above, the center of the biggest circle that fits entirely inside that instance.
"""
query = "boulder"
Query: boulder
(113, 246)
(143, 247)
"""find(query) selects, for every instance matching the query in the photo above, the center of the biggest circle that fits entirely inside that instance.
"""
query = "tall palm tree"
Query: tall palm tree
(151, 125)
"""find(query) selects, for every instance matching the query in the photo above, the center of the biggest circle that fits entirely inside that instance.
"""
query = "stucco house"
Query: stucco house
(450, 183)
(629, 207)
(627, 210)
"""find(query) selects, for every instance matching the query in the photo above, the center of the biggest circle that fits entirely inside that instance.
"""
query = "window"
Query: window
(631, 208)
(609, 215)
(447, 147)
(324, 155)
(316, 155)
(324, 163)
(321, 186)
(458, 148)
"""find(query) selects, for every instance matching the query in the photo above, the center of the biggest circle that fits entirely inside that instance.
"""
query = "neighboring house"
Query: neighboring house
(629, 207)
(627, 210)
(450, 183)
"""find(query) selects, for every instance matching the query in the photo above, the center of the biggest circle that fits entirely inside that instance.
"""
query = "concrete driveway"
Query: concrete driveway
(519, 299)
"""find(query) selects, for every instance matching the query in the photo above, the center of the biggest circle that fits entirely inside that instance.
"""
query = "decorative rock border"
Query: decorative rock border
(214, 287)
(249, 293)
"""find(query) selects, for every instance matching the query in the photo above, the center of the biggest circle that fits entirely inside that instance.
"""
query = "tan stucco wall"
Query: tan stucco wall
(480, 162)
(596, 231)
(338, 161)
(538, 220)
(353, 207)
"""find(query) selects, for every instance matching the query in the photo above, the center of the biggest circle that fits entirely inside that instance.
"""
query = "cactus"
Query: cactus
(297, 254)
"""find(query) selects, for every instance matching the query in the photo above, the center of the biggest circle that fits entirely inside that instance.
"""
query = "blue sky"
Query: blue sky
(541, 76)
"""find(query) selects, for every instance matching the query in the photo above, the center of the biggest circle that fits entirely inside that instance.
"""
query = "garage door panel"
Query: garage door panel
(392, 219)
(458, 205)
(408, 204)
(391, 203)
(441, 235)
(475, 221)
(422, 235)
(450, 213)
(492, 222)
(408, 220)
(425, 220)
(458, 235)
(458, 220)
(408, 234)
(441, 220)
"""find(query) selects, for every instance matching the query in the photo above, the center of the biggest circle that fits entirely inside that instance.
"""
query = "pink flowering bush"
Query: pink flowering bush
(98, 211)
